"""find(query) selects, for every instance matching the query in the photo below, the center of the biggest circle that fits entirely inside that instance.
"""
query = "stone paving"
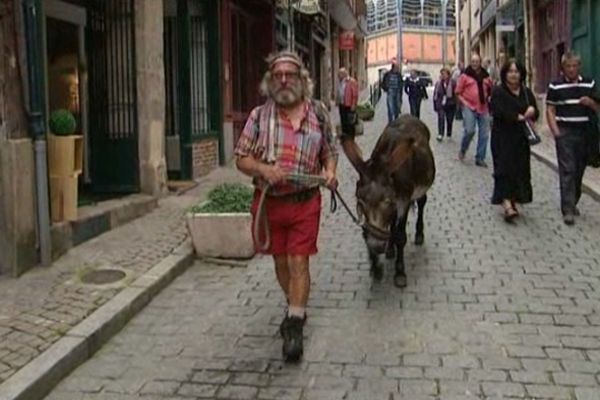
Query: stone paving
(547, 150)
(40, 307)
(491, 311)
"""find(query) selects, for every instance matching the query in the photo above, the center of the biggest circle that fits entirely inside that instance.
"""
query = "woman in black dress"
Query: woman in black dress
(513, 105)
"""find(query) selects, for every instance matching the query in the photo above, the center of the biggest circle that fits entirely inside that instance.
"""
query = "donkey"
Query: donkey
(400, 171)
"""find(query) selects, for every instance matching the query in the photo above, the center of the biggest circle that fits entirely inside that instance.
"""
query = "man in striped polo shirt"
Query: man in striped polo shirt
(572, 100)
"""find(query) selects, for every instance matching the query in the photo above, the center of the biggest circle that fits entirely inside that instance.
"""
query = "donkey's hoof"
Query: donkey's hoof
(400, 280)
(419, 239)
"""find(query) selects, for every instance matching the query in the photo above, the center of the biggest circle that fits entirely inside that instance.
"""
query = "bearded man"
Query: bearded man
(289, 134)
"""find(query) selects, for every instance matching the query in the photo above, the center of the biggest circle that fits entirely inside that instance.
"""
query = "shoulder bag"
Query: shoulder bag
(532, 136)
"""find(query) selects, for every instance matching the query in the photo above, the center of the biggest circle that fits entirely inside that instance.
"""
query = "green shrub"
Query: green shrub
(365, 106)
(365, 111)
(62, 123)
(227, 198)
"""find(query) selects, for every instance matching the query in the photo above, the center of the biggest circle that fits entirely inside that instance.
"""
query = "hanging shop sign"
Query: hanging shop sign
(309, 7)
(347, 40)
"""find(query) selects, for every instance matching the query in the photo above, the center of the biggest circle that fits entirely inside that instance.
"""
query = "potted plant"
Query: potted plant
(65, 159)
(221, 227)
(365, 111)
(65, 149)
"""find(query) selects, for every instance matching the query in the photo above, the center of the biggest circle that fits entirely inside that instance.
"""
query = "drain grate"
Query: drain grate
(103, 276)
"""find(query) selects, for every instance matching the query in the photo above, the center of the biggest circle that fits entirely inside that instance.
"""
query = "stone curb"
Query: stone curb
(36, 379)
(549, 161)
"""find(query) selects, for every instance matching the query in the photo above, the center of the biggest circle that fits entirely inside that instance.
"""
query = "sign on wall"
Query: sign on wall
(347, 40)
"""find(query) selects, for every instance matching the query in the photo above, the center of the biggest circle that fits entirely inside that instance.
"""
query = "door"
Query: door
(114, 158)
(187, 73)
(581, 19)
(248, 19)
(66, 86)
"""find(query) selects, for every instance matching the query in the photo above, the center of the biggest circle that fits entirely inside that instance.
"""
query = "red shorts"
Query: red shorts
(294, 226)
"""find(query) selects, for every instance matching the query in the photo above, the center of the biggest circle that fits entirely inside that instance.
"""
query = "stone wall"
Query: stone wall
(205, 156)
(17, 207)
(151, 96)
(17, 194)
(13, 123)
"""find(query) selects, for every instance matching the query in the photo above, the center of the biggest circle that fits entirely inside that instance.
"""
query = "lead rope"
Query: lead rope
(260, 229)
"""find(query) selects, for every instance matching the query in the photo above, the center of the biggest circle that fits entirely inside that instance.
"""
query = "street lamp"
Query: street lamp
(291, 27)
(399, 57)
(444, 38)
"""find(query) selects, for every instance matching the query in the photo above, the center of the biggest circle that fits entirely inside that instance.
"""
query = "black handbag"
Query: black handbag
(532, 136)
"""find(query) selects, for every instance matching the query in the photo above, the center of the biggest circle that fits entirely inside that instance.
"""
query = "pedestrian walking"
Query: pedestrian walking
(347, 100)
(444, 103)
(572, 102)
(487, 65)
(473, 92)
(495, 69)
(456, 72)
(290, 133)
(512, 106)
(416, 91)
(392, 84)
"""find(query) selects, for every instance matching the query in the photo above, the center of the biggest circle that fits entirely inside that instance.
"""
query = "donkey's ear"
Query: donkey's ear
(355, 157)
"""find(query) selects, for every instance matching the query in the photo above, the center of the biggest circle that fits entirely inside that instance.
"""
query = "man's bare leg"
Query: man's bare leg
(282, 272)
(299, 284)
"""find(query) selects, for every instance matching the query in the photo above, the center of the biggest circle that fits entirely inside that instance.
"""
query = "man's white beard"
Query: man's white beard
(286, 98)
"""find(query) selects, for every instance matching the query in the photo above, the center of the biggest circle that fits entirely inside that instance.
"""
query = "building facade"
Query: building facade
(585, 34)
(159, 90)
(488, 27)
(549, 38)
(422, 38)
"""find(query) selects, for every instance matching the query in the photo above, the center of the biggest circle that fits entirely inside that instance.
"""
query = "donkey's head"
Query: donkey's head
(376, 196)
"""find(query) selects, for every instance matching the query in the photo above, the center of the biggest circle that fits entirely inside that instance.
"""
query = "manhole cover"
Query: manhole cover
(103, 276)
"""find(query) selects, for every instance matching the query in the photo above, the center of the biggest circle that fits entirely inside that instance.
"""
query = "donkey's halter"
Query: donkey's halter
(376, 232)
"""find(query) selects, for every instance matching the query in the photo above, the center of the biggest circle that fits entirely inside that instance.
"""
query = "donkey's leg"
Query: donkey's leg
(376, 267)
(420, 236)
(399, 238)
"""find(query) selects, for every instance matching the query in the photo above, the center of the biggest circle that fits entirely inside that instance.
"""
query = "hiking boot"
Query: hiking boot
(283, 323)
(291, 331)
(569, 219)
(481, 163)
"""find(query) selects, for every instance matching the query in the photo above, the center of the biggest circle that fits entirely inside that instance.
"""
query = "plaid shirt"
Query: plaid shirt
(302, 151)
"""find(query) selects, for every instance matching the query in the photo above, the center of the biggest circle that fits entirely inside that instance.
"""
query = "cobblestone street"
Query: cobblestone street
(491, 310)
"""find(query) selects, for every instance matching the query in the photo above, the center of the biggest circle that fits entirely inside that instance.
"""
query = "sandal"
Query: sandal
(514, 207)
(510, 214)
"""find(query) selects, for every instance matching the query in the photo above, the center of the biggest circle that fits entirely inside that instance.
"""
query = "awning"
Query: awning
(342, 14)
(361, 27)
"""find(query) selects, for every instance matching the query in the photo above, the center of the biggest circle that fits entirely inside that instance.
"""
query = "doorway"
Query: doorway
(65, 66)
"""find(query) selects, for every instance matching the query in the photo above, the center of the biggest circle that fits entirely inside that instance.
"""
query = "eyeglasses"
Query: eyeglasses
(289, 76)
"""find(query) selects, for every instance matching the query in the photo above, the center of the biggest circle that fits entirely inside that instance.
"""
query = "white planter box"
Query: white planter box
(227, 235)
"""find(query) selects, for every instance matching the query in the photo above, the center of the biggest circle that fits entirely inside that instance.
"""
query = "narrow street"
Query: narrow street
(491, 311)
